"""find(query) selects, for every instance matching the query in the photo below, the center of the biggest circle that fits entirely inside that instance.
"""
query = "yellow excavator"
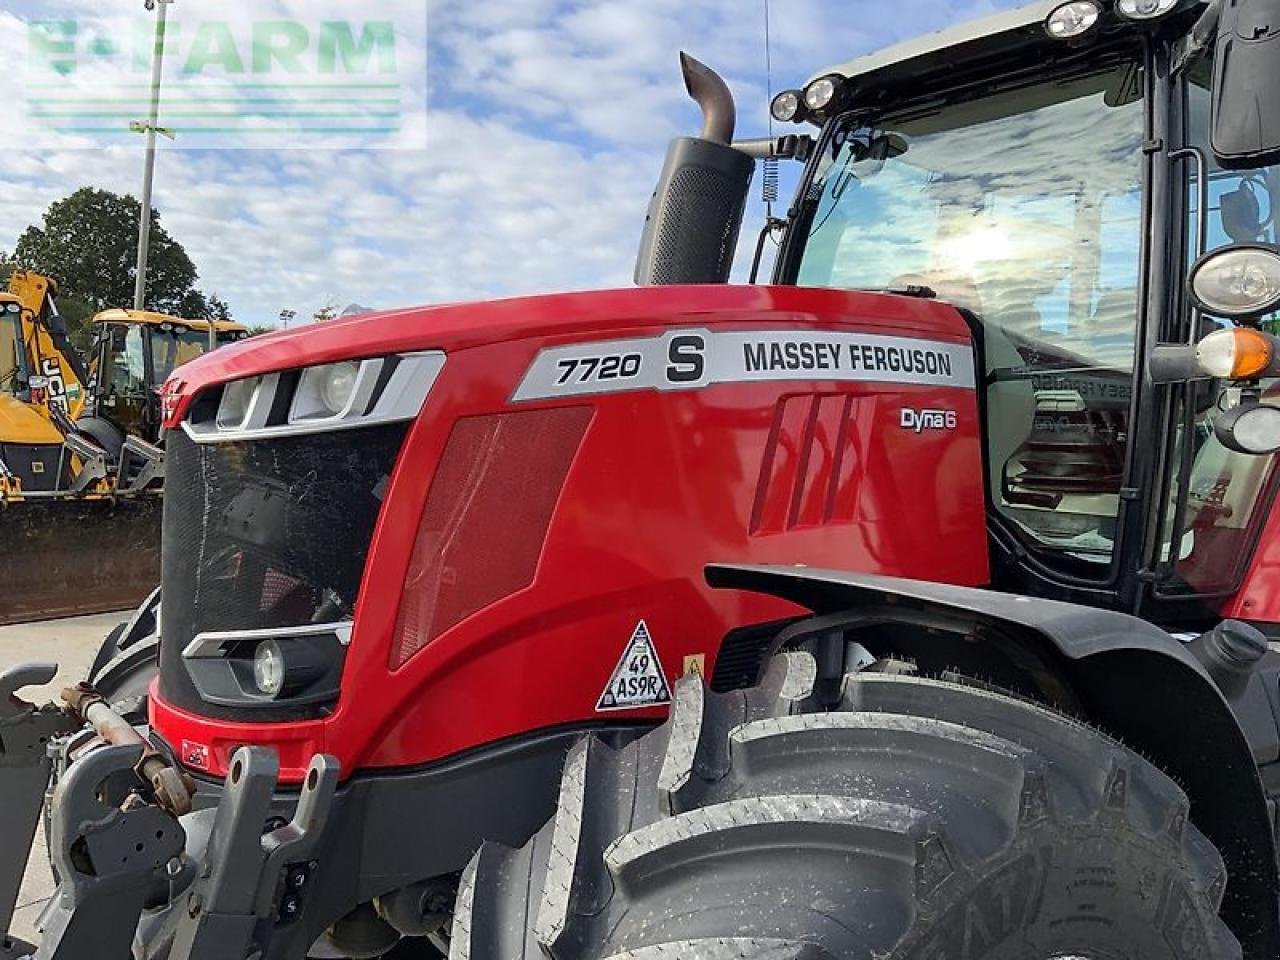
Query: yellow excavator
(80, 462)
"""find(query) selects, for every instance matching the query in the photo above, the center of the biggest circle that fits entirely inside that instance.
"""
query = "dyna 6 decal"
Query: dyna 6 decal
(693, 359)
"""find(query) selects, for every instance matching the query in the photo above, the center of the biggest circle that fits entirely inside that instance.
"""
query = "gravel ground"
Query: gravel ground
(72, 644)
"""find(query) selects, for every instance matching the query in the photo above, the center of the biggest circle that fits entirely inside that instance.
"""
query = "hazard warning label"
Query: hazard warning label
(637, 680)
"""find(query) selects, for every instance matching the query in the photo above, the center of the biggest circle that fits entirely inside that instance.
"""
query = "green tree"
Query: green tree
(198, 306)
(88, 243)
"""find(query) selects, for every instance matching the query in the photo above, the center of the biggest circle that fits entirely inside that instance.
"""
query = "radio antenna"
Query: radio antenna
(769, 178)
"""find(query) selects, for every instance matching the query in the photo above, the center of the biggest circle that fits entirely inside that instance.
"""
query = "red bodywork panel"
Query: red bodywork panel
(1258, 598)
(656, 484)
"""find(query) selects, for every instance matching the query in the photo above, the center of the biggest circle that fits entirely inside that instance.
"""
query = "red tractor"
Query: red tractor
(513, 630)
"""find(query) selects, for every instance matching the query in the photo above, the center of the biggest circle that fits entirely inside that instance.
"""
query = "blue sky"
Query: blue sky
(544, 129)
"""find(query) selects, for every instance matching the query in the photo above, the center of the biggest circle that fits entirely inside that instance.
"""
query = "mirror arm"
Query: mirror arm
(1198, 39)
(790, 146)
(1174, 363)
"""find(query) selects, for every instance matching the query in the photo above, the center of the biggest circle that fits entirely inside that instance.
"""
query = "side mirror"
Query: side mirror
(1246, 85)
(691, 231)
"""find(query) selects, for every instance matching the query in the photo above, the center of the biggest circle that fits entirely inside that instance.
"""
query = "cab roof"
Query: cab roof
(155, 319)
(1020, 18)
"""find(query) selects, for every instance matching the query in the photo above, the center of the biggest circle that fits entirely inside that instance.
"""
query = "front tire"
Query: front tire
(917, 820)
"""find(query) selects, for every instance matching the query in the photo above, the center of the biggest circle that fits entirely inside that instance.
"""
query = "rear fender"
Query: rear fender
(1124, 675)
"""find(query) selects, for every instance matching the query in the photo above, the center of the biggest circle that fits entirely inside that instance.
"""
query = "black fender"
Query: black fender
(1122, 674)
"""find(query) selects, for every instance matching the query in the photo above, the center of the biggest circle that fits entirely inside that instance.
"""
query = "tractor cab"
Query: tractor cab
(1050, 172)
(133, 354)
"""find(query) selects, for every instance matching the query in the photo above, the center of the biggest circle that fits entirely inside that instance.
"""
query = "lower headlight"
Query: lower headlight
(1250, 428)
(1240, 281)
(268, 668)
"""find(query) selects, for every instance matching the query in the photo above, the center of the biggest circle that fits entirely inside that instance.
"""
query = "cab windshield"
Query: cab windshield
(171, 349)
(1023, 207)
(12, 349)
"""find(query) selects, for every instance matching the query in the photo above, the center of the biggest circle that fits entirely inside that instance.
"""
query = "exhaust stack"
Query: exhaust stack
(709, 91)
(691, 231)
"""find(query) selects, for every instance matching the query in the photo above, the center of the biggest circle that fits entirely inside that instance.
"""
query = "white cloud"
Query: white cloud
(545, 133)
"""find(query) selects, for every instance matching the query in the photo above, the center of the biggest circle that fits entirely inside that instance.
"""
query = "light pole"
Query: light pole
(150, 128)
(286, 316)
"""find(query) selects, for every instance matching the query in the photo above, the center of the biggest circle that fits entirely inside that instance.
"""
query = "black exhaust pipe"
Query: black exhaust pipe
(691, 231)
(709, 91)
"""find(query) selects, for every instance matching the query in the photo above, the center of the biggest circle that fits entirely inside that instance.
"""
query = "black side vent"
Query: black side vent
(742, 655)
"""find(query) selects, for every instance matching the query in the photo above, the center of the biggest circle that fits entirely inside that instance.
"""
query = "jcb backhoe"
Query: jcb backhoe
(80, 462)
(917, 605)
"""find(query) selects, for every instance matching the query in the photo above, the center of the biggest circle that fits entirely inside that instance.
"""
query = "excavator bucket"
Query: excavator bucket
(68, 557)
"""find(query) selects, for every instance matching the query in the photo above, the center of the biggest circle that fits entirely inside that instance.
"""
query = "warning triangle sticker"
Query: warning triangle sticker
(637, 680)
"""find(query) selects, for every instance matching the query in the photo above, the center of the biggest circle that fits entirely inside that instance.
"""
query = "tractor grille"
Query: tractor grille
(265, 534)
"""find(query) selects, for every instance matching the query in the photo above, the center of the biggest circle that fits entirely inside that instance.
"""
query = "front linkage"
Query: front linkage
(117, 845)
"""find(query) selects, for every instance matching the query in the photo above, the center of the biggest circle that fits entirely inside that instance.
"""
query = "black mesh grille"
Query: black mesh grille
(263, 534)
(700, 196)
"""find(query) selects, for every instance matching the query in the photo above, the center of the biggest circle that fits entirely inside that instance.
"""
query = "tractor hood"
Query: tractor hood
(551, 318)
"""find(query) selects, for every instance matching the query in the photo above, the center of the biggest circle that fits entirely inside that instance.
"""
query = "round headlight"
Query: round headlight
(268, 668)
(1235, 354)
(337, 383)
(1237, 281)
(14, 308)
(786, 106)
(1073, 19)
(1145, 9)
(1249, 428)
(819, 94)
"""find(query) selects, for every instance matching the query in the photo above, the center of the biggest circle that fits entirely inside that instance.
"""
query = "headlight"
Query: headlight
(1237, 281)
(1145, 9)
(332, 390)
(337, 384)
(268, 668)
(819, 94)
(1249, 428)
(234, 406)
(786, 106)
(331, 396)
(1073, 19)
(1238, 353)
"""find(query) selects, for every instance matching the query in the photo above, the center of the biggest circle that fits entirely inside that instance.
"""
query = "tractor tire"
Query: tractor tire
(914, 819)
(105, 434)
(127, 662)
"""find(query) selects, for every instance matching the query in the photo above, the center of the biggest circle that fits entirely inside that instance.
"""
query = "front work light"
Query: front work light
(819, 94)
(1241, 281)
(1249, 428)
(1073, 19)
(785, 107)
(1146, 9)
(1236, 353)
